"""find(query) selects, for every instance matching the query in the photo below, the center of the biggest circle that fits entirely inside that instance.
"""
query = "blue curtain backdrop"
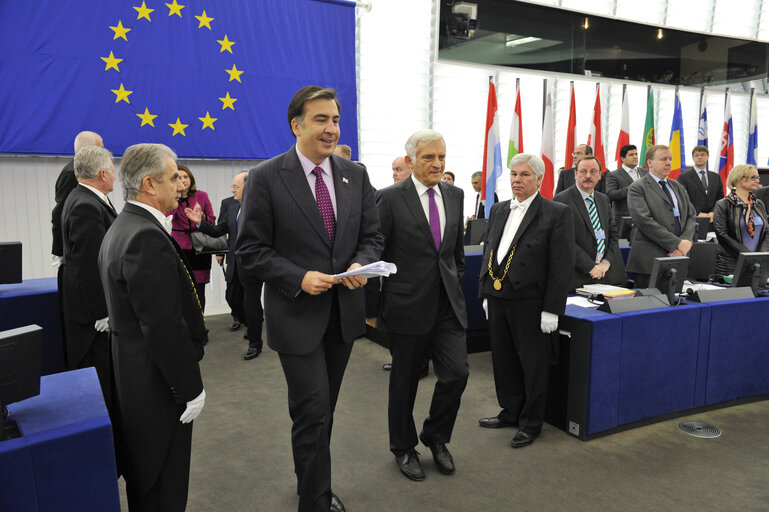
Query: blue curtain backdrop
(225, 68)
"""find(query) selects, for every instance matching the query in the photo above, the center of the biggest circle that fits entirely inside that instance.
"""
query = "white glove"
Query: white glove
(193, 408)
(486, 308)
(56, 261)
(548, 322)
(102, 325)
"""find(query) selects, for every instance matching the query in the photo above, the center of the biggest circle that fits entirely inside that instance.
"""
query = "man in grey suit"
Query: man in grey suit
(423, 307)
(617, 182)
(566, 177)
(663, 216)
(306, 216)
(598, 259)
(704, 187)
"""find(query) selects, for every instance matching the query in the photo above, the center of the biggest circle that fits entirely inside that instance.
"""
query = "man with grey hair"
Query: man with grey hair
(86, 216)
(528, 260)
(158, 332)
(65, 183)
(422, 306)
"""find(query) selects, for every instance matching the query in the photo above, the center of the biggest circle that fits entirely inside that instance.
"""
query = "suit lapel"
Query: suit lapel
(414, 205)
(531, 212)
(499, 225)
(297, 186)
(625, 176)
(452, 215)
(579, 203)
(341, 176)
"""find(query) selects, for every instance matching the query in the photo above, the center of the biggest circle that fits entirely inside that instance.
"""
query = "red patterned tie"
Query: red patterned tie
(324, 204)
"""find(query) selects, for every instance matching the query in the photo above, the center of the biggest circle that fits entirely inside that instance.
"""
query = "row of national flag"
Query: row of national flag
(492, 160)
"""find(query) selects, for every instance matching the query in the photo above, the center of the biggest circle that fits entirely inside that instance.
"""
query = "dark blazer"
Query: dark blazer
(654, 224)
(482, 206)
(586, 243)
(617, 183)
(227, 202)
(65, 183)
(410, 297)
(85, 219)
(543, 262)
(726, 223)
(158, 333)
(227, 225)
(704, 201)
(762, 194)
(282, 236)
(566, 179)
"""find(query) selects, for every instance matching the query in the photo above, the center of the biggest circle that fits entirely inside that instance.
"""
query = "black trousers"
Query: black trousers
(446, 344)
(99, 355)
(313, 382)
(253, 313)
(520, 355)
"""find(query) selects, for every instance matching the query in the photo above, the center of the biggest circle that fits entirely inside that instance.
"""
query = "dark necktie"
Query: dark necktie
(324, 204)
(596, 222)
(435, 219)
(664, 186)
(704, 179)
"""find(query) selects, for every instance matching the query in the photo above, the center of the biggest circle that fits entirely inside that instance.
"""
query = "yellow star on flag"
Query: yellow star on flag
(144, 11)
(234, 74)
(204, 20)
(122, 94)
(175, 8)
(147, 118)
(226, 44)
(112, 62)
(178, 127)
(120, 31)
(228, 102)
(208, 121)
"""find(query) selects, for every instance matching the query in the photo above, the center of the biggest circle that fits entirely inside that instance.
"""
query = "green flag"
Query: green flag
(648, 134)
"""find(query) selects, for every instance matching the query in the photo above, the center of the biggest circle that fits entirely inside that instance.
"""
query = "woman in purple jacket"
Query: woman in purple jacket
(182, 227)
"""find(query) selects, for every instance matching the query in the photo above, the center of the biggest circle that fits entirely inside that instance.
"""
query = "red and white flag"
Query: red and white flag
(571, 144)
(515, 145)
(624, 129)
(548, 150)
(595, 139)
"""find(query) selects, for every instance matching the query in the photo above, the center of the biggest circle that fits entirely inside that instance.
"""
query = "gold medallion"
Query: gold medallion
(497, 284)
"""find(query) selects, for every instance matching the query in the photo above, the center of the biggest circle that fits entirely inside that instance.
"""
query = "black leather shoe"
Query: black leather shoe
(252, 353)
(441, 456)
(235, 325)
(387, 367)
(496, 422)
(410, 466)
(522, 439)
(336, 504)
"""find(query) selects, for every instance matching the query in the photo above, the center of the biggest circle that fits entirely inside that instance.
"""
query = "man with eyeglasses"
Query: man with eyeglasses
(528, 260)
(662, 213)
(704, 187)
(566, 176)
(598, 259)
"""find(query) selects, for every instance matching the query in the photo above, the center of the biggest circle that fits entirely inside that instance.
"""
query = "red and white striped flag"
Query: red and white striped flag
(515, 145)
(548, 150)
(595, 139)
(571, 143)
(624, 128)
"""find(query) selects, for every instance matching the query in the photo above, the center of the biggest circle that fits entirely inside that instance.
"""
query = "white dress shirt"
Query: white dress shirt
(425, 200)
(517, 211)
(632, 172)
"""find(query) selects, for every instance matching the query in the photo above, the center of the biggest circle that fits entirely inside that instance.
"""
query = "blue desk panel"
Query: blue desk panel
(65, 459)
(476, 318)
(35, 301)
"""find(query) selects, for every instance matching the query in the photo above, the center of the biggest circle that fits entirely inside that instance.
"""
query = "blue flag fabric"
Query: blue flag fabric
(211, 79)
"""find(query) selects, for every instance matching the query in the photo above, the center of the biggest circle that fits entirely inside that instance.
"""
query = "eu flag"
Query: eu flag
(211, 79)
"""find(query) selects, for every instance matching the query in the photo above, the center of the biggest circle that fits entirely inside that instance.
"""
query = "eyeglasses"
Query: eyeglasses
(754, 178)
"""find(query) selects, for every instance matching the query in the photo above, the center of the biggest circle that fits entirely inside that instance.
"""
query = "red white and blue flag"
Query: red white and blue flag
(726, 160)
(492, 154)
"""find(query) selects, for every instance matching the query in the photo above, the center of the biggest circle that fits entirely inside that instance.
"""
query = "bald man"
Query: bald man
(401, 169)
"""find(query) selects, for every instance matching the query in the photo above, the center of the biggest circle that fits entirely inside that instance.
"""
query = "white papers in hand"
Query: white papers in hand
(376, 269)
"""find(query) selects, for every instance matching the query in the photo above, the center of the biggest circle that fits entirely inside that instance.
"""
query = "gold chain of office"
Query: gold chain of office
(498, 280)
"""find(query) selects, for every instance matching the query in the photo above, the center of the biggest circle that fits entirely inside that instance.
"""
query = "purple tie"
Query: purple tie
(435, 219)
(324, 204)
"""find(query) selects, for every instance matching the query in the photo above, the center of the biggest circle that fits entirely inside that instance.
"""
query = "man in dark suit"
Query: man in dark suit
(528, 260)
(598, 259)
(158, 333)
(762, 194)
(86, 216)
(617, 182)
(308, 215)
(253, 316)
(704, 187)
(566, 176)
(221, 259)
(479, 211)
(423, 307)
(663, 216)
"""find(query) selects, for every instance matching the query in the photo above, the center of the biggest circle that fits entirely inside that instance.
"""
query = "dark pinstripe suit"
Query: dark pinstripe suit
(281, 237)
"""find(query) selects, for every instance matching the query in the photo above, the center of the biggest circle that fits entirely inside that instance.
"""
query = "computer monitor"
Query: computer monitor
(625, 228)
(701, 227)
(668, 275)
(20, 360)
(752, 270)
(476, 228)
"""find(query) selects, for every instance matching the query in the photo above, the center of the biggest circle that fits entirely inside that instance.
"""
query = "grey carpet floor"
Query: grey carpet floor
(241, 455)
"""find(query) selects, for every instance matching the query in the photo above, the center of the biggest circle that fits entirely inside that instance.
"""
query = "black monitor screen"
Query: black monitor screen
(752, 270)
(668, 275)
(20, 360)
(702, 225)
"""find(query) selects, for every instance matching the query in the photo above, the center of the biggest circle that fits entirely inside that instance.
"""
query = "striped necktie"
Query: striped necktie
(593, 213)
